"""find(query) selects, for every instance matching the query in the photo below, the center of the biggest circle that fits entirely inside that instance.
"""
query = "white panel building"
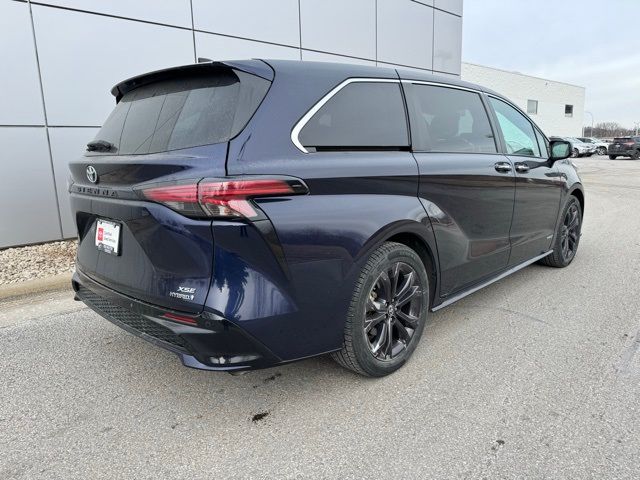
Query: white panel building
(61, 57)
(557, 107)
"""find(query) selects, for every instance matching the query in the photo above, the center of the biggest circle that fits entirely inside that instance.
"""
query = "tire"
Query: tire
(568, 230)
(635, 155)
(612, 157)
(602, 151)
(575, 153)
(375, 310)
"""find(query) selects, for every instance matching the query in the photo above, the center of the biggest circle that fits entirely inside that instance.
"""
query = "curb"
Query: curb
(58, 282)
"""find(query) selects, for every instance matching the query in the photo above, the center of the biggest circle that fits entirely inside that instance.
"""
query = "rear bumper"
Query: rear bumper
(213, 343)
(622, 152)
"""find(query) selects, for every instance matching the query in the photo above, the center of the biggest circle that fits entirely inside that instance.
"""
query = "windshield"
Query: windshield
(183, 112)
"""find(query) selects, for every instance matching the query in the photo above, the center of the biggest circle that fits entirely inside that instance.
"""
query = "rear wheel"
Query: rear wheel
(612, 157)
(575, 153)
(567, 237)
(388, 312)
(602, 151)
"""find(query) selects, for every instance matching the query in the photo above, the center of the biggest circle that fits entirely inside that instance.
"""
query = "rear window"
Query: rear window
(184, 112)
(361, 115)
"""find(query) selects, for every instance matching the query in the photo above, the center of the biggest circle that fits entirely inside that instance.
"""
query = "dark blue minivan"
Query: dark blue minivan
(245, 214)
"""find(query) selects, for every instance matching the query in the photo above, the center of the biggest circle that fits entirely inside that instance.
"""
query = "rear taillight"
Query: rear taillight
(222, 198)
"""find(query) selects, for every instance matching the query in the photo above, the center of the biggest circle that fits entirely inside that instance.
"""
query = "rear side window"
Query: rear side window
(361, 115)
(183, 112)
(517, 131)
(448, 120)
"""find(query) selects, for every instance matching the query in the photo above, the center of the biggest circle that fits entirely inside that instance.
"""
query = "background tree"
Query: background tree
(607, 130)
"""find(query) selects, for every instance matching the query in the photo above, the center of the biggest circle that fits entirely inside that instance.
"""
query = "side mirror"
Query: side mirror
(560, 150)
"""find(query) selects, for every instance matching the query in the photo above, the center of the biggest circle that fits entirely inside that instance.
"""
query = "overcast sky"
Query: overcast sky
(585, 42)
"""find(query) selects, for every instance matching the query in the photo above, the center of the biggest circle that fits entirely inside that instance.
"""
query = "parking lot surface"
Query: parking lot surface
(536, 376)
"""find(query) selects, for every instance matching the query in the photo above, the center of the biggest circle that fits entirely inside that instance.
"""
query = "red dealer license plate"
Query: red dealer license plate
(108, 236)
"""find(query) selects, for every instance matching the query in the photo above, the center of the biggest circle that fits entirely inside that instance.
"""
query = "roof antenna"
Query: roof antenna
(204, 60)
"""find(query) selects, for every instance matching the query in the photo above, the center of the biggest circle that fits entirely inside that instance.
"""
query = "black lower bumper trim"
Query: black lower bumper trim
(220, 345)
(133, 320)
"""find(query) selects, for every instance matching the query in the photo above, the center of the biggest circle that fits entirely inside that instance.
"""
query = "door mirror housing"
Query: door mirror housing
(560, 149)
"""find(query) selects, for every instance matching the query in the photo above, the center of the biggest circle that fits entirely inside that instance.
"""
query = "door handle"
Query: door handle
(502, 166)
(522, 167)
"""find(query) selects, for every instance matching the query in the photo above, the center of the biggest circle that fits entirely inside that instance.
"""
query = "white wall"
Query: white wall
(64, 56)
(552, 97)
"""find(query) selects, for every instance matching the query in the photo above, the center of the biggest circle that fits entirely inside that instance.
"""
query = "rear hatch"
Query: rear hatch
(621, 144)
(168, 128)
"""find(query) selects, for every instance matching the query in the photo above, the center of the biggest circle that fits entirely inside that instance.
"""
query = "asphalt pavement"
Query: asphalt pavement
(536, 376)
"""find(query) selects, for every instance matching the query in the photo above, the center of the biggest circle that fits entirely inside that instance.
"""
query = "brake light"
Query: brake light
(223, 198)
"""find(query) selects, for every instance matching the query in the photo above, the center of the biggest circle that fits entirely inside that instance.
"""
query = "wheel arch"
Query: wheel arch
(416, 234)
(577, 192)
(421, 247)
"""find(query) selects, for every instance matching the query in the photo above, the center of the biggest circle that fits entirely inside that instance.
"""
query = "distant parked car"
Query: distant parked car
(578, 147)
(601, 146)
(625, 147)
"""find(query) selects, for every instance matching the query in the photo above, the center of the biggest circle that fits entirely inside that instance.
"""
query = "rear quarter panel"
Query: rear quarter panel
(326, 237)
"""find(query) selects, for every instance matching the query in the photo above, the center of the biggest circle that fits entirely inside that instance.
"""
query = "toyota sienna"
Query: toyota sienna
(245, 214)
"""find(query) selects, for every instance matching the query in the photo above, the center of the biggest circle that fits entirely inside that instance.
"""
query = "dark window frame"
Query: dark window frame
(568, 110)
(545, 143)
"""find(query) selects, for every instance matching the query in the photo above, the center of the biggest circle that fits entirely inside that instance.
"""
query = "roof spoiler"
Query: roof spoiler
(254, 67)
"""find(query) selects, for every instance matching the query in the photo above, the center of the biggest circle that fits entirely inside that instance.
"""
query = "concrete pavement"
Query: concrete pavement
(536, 376)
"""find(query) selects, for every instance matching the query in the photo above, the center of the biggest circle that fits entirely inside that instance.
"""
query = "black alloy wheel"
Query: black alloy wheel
(393, 311)
(570, 232)
(387, 313)
(567, 237)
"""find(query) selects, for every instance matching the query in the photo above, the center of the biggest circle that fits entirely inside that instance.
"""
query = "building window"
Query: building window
(532, 107)
(568, 110)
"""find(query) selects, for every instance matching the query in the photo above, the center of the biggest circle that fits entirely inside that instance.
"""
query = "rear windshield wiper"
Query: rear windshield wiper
(99, 146)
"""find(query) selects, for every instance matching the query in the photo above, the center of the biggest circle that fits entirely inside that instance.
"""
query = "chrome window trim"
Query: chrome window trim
(295, 132)
(510, 103)
(443, 84)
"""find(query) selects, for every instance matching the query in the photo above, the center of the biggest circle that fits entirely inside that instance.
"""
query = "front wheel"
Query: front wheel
(612, 157)
(567, 236)
(602, 151)
(575, 153)
(635, 155)
(388, 312)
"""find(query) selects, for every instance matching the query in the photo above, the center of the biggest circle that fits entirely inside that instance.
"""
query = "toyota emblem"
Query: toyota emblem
(92, 175)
